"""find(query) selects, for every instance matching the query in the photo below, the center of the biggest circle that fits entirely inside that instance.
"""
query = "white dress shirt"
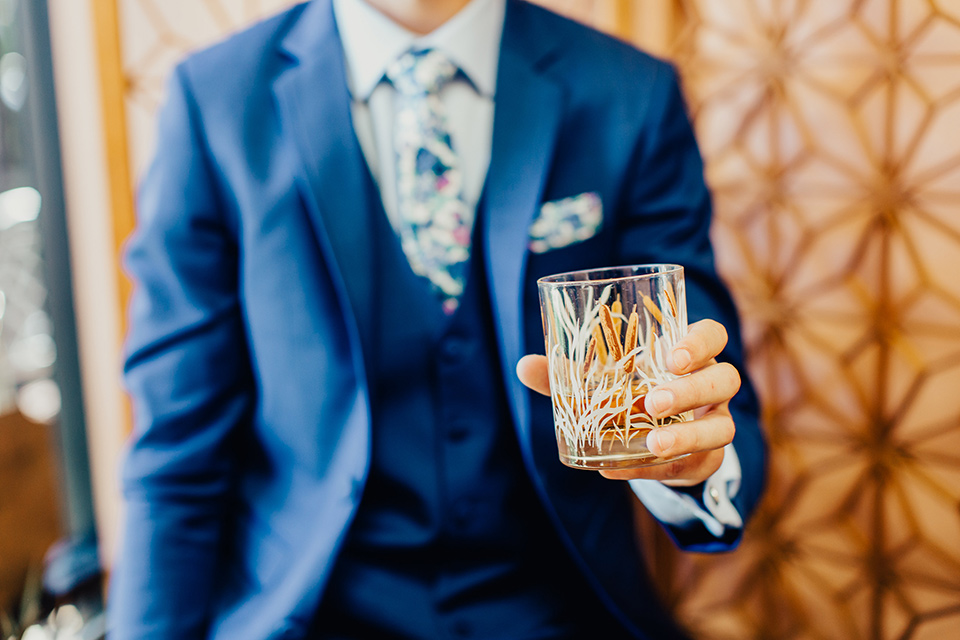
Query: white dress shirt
(471, 39)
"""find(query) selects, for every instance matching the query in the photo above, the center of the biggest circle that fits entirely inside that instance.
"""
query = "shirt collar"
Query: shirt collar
(372, 41)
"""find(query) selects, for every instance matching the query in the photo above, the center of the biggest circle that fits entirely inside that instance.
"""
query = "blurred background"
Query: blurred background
(831, 131)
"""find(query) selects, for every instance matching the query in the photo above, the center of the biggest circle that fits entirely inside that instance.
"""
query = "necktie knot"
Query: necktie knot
(434, 222)
(421, 72)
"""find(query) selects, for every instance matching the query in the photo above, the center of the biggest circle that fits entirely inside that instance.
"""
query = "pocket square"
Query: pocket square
(565, 222)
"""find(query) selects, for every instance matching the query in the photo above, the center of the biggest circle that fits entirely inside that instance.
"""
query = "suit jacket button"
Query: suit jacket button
(453, 349)
(462, 514)
(462, 629)
(458, 432)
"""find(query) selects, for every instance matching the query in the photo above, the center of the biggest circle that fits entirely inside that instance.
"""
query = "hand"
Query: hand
(706, 391)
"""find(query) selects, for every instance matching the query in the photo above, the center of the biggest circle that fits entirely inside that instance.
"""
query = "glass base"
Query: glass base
(618, 449)
(617, 461)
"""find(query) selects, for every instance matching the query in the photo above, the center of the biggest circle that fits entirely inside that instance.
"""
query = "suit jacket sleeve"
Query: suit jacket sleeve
(187, 371)
(668, 220)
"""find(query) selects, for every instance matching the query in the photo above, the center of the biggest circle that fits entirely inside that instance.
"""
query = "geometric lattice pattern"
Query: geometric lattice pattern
(832, 134)
(831, 130)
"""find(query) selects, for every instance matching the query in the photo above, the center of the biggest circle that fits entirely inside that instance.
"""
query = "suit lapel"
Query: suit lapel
(338, 190)
(337, 187)
(528, 113)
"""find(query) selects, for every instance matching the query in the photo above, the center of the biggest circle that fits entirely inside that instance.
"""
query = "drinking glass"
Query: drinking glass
(608, 333)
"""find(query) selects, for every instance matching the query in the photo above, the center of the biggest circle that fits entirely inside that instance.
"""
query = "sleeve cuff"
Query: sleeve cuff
(714, 510)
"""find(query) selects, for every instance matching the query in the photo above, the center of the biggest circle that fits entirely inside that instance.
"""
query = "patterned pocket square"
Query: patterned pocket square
(565, 222)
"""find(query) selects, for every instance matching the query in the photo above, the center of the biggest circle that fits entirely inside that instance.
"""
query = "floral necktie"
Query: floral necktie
(435, 222)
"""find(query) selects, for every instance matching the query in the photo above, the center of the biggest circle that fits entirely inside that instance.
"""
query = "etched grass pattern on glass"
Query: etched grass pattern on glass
(608, 332)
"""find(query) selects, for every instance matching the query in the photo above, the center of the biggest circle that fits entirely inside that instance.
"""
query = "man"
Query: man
(336, 283)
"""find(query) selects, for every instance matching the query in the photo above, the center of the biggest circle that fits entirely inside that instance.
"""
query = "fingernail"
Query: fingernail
(663, 440)
(660, 400)
(681, 359)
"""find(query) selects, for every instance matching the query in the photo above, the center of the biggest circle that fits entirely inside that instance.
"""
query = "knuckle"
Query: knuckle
(720, 331)
(714, 339)
(687, 439)
(706, 339)
(689, 390)
(704, 345)
(732, 375)
(691, 439)
(728, 428)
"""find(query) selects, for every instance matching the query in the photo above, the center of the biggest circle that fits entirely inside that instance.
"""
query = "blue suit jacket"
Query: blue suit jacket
(245, 360)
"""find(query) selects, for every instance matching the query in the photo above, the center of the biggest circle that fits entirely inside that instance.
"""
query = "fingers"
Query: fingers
(715, 384)
(708, 387)
(713, 431)
(686, 472)
(701, 441)
(704, 341)
(532, 371)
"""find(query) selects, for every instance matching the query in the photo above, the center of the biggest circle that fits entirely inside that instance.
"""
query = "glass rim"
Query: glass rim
(568, 277)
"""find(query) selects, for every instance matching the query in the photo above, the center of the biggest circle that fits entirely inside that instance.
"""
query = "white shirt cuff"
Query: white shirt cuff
(679, 509)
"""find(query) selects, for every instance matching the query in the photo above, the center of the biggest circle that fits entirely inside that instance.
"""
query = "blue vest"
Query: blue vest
(450, 539)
